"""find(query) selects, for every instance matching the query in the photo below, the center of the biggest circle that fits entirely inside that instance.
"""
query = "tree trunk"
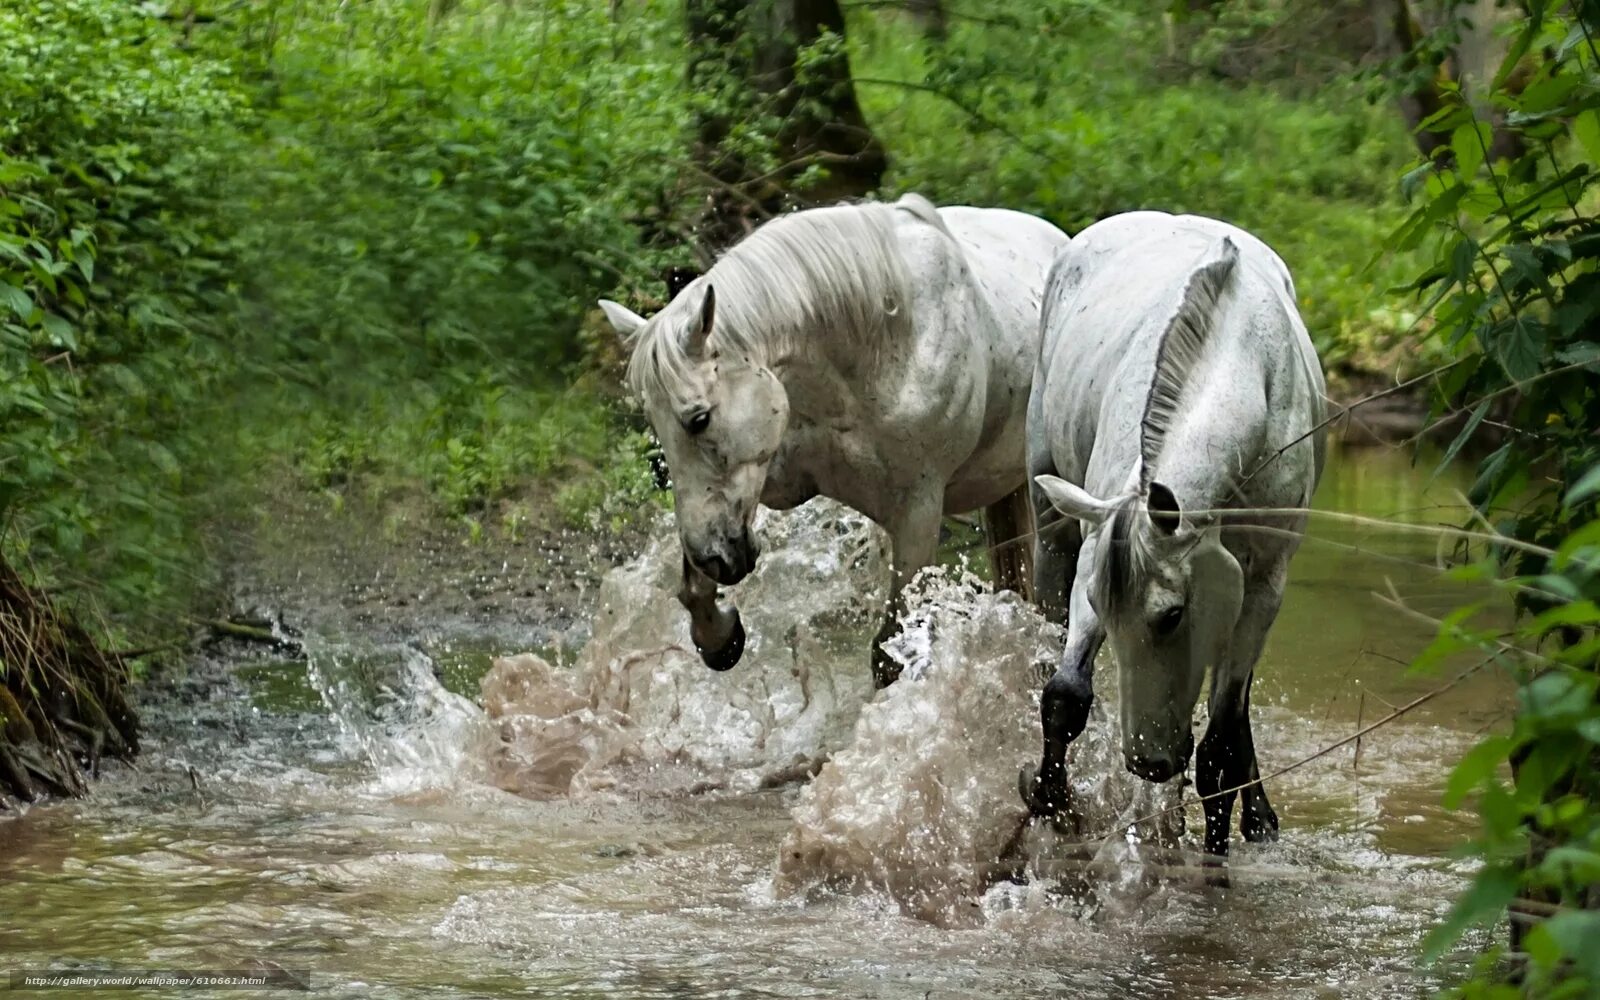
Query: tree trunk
(1399, 33)
(745, 65)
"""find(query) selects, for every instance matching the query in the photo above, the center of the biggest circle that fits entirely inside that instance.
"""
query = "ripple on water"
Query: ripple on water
(367, 839)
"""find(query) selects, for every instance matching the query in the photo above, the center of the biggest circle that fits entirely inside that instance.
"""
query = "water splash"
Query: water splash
(640, 711)
(391, 709)
(919, 800)
(923, 803)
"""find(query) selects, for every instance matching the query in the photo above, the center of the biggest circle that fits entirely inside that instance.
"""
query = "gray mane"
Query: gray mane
(1181, 348)
(1125, 553)
(827, 272)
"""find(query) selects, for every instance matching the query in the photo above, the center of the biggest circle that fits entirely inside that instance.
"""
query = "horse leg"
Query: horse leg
(1056, 541)
(1064, 705)
(914, 536)
(717, 632)
(1007, 523)
(1257, 820)
(1227, 755)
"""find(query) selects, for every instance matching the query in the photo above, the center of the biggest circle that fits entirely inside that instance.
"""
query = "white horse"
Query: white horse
(1175, 383)
(877, 354)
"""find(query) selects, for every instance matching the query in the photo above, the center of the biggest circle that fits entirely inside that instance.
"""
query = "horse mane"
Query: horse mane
(837, 269)
(1181, 348)
(1125, 553)
(1124, 558)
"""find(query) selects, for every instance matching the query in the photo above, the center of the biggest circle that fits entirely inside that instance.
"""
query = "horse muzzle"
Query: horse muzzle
(1160, 767)
(730, 561)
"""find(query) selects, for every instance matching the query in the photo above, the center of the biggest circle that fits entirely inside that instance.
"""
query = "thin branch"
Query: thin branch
(1408, 707)
(1503, 390)
(1344, 411)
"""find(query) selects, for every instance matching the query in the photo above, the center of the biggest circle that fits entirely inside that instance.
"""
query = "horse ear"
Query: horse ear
(1073, 501)
(1165, 512)
(700, 330)
(624, 320)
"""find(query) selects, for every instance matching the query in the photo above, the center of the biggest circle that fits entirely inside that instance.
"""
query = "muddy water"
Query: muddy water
(350, 817)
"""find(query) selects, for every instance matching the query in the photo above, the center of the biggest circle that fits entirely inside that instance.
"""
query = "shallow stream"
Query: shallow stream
(620, 822)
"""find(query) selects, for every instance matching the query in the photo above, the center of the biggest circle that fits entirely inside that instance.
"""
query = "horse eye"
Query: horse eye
(1168, 621)
(698, 423)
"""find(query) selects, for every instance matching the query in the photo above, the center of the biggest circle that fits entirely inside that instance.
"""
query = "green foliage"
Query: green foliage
(1070, 110)
(1514, 248)
(620, 493)
(112, 267)
(425, 195)
(364, 236)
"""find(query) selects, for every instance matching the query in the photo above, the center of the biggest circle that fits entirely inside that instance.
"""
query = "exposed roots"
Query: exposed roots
(63, 703)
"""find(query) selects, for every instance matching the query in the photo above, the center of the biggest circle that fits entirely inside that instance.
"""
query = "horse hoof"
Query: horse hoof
(1043, 799)
(728, 656)
(1261, 828)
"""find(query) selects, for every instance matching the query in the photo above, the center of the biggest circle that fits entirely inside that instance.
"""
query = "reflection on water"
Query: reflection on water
(340, 821)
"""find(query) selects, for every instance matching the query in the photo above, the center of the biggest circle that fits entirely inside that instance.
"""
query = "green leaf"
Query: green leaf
(20, 302)
(1478, 413)
(1586, 129)
(1518, 344)
(1477, 766)
(1577, 934)
(1587, 486)
(60, 332)
(1468, 142)
(1491, 892)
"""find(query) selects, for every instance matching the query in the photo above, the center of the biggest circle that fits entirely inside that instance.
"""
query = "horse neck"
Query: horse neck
(1218, 431)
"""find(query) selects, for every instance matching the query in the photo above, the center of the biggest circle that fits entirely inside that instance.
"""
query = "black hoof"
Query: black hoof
(885, 671)
(1261, 827)
(1043, 798)
(728, 656)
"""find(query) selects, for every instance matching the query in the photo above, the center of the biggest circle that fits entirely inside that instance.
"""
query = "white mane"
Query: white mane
(828, 272)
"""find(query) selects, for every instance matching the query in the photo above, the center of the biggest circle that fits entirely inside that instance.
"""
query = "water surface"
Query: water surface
(297, 825)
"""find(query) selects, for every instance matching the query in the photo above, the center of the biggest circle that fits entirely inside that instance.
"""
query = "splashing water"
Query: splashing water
(641, 713)
(390, 708)
(923, 803)
(920, 797)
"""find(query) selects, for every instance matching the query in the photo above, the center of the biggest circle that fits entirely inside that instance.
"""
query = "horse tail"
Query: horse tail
(923, 210)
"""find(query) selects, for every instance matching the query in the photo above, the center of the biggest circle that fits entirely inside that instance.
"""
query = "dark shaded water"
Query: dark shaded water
(359, 843)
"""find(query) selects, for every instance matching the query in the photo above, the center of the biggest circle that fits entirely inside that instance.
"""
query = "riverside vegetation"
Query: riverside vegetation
(353, 249)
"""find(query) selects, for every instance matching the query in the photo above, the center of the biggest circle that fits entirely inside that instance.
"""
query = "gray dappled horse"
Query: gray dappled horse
(1175, 383)
(877, 354)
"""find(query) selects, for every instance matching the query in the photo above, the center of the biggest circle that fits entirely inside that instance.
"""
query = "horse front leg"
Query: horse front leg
(1056, 541)
(1063, 714)
(717, 632)
(1068, 696)
(1225, 762)
(914, 536)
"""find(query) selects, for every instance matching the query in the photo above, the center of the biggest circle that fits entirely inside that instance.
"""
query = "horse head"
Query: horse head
(1168, 594)
(719, 415)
